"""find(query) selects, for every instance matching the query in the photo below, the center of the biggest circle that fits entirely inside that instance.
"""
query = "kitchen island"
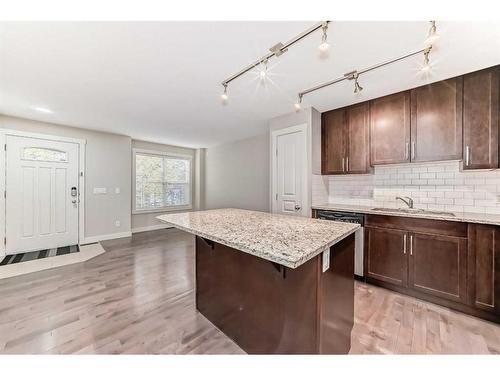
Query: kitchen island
(274, 283)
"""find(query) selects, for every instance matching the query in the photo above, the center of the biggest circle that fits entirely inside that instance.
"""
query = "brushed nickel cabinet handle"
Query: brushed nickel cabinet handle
(411, 244)
(347, 164)
(412, 150)
(407, 153)
(467, 155)
(343, 165)
(404, 244)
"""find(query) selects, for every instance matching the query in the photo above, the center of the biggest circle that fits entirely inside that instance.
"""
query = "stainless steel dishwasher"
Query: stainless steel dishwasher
(349, 217)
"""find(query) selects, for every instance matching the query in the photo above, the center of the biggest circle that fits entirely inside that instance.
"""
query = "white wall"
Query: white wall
(141, 222)
(107, 164)
(237, 174)
(434, 186)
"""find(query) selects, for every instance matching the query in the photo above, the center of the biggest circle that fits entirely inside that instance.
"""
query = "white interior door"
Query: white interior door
(42, 194)
(290, 172)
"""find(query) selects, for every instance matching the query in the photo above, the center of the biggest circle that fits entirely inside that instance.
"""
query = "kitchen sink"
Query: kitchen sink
(413, 211)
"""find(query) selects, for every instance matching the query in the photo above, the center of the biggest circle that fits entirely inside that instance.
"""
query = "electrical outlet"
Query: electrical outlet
(117, 223)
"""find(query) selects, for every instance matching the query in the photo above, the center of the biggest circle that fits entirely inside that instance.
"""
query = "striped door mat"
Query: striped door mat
(40, 254)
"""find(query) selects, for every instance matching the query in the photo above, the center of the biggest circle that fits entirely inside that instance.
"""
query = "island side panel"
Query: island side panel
(262, 306)
(336, 299)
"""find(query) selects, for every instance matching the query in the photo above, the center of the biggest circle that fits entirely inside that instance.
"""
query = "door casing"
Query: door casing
(81, 179)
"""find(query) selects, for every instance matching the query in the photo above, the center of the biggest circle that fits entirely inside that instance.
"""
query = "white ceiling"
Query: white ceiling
(160, 81)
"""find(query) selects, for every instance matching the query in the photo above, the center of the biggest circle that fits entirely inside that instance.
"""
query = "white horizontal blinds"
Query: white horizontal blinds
(162, 181)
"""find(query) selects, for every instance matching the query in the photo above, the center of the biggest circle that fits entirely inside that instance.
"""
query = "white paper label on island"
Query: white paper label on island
(326, 260)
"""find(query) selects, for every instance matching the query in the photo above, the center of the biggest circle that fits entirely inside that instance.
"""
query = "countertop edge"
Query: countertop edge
(370, 211)
(291, 265)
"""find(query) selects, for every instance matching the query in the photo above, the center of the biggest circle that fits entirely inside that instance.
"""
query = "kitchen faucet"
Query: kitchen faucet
(408, 201)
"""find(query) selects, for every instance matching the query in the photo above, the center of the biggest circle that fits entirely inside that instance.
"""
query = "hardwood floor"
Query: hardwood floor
(138, 297)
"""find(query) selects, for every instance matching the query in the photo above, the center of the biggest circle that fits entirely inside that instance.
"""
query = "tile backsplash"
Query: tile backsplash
(436, 186)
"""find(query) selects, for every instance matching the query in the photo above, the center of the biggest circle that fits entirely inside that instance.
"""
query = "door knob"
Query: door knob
(297, 207)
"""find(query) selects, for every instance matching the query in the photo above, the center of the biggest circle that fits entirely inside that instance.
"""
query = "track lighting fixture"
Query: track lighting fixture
(276, 51)
(297, 105)
(432, 36)
(426, 65)
(224, 97)
(324, 46)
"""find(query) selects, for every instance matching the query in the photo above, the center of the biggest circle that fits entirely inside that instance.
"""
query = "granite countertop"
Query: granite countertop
(287, 240)
(467, 217)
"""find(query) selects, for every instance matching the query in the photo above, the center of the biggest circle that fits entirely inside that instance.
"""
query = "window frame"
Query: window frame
(184, 207)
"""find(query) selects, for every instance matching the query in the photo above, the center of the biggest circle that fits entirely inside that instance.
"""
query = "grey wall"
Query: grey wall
(237, 174)
(142, 221)
(107, 164)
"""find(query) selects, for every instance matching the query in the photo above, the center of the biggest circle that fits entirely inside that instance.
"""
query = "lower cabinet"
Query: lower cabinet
(386, 258)
(449, 263)
(484, 267)
(438, 265)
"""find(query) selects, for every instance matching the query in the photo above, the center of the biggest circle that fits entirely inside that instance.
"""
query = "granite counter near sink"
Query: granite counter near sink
(465, 217)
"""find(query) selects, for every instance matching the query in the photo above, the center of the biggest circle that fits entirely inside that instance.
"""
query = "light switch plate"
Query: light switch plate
(117, 190)
(326, 260)
(100, 190)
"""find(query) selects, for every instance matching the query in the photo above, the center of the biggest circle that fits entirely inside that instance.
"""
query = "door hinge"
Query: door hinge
(276, 152)
(5, 146)
(5, 194)
(276, 197)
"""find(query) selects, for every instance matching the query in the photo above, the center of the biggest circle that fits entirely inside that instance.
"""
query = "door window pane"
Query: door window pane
(44, 154)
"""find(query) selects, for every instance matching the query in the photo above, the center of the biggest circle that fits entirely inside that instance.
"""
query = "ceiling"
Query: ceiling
(160, 81)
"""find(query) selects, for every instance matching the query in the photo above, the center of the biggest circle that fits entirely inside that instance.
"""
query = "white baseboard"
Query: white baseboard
(151, 227)
(105, 237)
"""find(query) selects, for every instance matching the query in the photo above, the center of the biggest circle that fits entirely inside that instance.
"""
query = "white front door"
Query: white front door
(42, 194)
(290, 171)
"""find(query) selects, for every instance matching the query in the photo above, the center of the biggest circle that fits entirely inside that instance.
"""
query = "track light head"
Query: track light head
(324, 46)
(297, 105)
(263, 70)
(432, 35)
(357, 86)
(224, 97)
(426, 67)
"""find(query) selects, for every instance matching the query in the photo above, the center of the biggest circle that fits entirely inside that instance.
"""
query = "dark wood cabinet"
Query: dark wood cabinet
(390, 129)
(437, 265)
(345, 140)
(358, 139)
(436, 121)
(480, 119)
(333, 142)
(385, 257)
(484, 267)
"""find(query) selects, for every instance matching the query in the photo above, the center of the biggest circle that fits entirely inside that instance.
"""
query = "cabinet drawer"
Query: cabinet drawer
(416, 225)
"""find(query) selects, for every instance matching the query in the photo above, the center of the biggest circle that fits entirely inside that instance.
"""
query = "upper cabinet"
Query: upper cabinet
(454, 119)
(358, 139)
(345, 140)
(390, 129)
(480, 119)
(333, 144)
(436, 121)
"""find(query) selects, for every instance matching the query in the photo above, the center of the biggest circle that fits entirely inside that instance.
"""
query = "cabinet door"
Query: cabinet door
(333, 142)
(358, 138)
(386, 255)
(390, 129)
(436, 121)
(481, 119)
(438, 265)
(484, 267)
